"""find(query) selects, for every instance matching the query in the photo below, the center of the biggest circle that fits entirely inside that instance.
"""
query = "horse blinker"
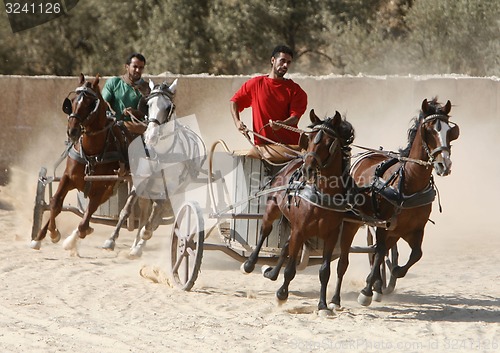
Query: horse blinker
(67, 106)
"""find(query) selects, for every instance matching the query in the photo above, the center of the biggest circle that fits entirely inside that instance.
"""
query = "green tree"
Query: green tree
(236, 37)
(175, 37)
(454, 36)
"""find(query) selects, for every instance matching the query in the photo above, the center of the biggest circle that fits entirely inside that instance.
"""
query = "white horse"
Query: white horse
(166, 143)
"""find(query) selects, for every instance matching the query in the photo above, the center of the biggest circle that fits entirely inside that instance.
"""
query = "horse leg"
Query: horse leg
(377, 281)
(154, 219)
(415, 255)
(294, 247)
(109, 244)
(270, 216)
(56, 203)
(144, 211)
(84, 228)
(289, 275)
(272, 273)
(146, 231)
(325, 271)
(348, 231)
(365, 297)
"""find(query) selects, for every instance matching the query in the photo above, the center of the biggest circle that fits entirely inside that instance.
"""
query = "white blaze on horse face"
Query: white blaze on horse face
(158, 111)
(80, 100)
(443, 159)
(442, 129)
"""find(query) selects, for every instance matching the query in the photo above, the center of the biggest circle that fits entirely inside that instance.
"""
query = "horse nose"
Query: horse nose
(74, 134)
(308, 171)
(443, 168)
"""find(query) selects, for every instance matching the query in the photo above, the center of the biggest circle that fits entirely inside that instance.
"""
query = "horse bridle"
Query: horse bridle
(431, 118)
(162, 90)
(331, 150)
(81, 91)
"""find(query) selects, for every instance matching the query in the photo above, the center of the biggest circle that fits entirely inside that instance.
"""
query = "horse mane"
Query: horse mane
(434, 108)
(345, 131)
(164, 87)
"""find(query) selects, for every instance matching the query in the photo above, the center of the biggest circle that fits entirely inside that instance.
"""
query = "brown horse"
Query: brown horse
(309, 200)
(99, 148)
(399, 191)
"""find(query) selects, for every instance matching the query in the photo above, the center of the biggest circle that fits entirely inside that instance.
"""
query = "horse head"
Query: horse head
(324, 143)
(160, 109)
(82, 106)
(437, 133)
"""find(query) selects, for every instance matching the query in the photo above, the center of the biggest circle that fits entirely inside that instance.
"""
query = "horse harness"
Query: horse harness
(162, 90)
(439, 118)
(81, 92)
(106, 156)
(299, 189)
(350, 201)
(396, 196)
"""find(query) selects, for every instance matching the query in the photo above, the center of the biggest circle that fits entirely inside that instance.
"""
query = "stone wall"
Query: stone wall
(380, 108)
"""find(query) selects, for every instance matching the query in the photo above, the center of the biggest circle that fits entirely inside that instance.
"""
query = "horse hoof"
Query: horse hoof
(146, 234)
(109, 245)
(36, 244)
(364, 299)
(247, 267)
(264, 269)
(83, 234)
(56, 238)
(282, 295)
(136, 252)
(70, 242)
(398, 272)
(335, 307)
(377, 297)
(325, 313)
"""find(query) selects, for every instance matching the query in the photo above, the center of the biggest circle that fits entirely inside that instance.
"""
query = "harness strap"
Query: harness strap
(395, 155)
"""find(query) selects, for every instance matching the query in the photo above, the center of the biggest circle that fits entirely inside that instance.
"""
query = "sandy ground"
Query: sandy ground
(449, 301)
(54, 302)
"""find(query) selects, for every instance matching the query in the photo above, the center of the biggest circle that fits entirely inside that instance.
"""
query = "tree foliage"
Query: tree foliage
(236, 37)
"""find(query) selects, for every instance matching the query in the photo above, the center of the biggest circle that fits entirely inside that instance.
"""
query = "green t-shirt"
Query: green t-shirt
(120, 95)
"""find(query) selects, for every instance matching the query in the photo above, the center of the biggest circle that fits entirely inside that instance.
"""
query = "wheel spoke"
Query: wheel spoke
(186, 269)
(177, 264)
(187, 245)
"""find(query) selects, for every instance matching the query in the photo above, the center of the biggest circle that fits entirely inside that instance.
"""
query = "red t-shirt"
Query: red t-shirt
(272, 99)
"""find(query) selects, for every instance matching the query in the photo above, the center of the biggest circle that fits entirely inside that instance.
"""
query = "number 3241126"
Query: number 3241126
(31, 8)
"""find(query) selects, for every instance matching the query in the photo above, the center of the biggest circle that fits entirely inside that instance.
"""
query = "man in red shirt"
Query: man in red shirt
(272, 98)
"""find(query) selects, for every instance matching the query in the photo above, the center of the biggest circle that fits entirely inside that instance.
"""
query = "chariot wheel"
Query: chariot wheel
(391, 261)
(40, 204)
(186, 245)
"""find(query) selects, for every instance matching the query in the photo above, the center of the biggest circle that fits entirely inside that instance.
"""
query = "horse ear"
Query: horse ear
(173, 86)
(447, 107)
(303, 141)
(425, 105)
(314, 118)
(151, 84)
(82, 79)
(96, 80)
(454, 133)
(337, 118)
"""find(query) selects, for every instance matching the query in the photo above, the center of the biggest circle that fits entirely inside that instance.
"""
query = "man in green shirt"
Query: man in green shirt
(122, 93)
